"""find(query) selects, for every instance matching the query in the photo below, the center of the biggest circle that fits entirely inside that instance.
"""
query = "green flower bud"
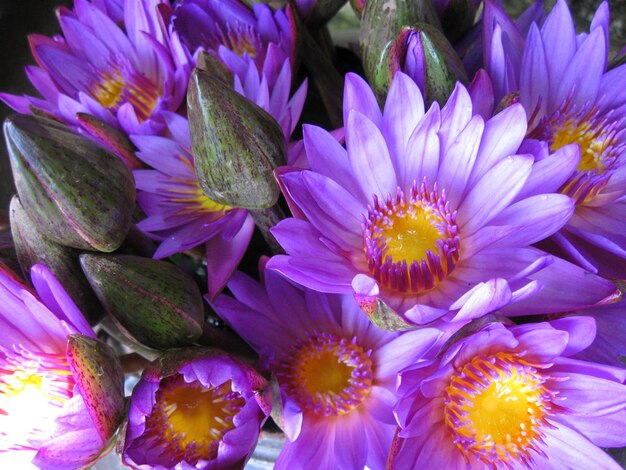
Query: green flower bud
(32, 248)
(98, 373)
(381, 22)
(236, 145)
(114, 140)
(154, 302)
(76, 192)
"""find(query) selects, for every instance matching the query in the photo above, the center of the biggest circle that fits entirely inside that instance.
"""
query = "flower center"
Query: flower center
(33, 388)
(189, 420)
(122, 84)
(326, 375)
(242, 40)
(598, 138)
(411, 242)
(594, 144)
(496, 406)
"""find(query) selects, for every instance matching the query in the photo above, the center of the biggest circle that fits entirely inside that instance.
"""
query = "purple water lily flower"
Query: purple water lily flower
(179, 215)
(428, 212)
(46, 422)
(562, 81)
(336, 371)
(512, 398)
(125, 77)
(238, 35)
(195, 409)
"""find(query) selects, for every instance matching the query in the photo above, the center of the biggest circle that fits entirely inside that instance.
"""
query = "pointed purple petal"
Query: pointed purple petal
(369, 156)
(358, 95)
(223, 256)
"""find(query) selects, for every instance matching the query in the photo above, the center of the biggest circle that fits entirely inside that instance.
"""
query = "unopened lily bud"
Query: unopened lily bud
(76, 192)
(236, 145)
(34, 248)
(381, 23)
(155, 302)
(432, 62)
(196, 408)
(97, 372)
(214, 66)
(111, 138)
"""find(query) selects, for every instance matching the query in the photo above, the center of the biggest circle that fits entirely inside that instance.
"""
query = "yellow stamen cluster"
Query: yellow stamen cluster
(593, 143)
(191, 419)
(496, 407)
(328, 376)
(115, 88)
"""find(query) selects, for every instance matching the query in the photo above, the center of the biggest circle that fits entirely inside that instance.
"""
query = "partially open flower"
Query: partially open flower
(237, 35)
(61, 390)
(424, 54)
(125, 77)
(512, 398)
(195, 409)
(381, 24)
(336, 371)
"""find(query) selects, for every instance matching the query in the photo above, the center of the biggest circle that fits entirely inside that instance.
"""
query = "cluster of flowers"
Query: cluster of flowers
(445, 293)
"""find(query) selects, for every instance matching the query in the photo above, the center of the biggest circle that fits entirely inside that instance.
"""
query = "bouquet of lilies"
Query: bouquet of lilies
(407, 253)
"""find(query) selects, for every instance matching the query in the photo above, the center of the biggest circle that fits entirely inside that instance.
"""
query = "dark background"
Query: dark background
(18, 18)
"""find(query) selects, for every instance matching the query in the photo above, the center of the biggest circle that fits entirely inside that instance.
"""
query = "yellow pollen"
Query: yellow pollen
(243, 46)
(411, 240)
(109, 90)
(321, 372)
(195, 201)
(410, 234)
(198, 416)
(326, 375)
(115, 88)
(241, 43)
(495, 407)
(592, 144)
